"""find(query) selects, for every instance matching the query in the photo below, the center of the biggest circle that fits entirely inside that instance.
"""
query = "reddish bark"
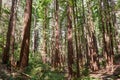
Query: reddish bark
(13, 33)
(57, 35)
(44, 54)
(6, 51)
(0, 8)
(69, 38)
(24, 54)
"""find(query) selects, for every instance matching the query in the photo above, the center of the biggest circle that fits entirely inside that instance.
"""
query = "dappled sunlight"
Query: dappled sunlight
(59, 40)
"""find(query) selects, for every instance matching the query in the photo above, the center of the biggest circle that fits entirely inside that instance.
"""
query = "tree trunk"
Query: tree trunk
(24, 54)
(106, 19)
(78, 51)
(57, 35)
(92, 44)
(70, 42)
(0, 8)
(6, 51)
(44, 54)
(36, 34)
(13, 33)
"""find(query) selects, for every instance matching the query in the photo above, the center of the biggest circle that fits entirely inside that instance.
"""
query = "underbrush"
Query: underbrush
(39, 71)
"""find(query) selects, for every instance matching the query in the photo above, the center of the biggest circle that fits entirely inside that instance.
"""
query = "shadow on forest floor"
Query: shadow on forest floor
(107, 75)
(35, 71)
(7, 74)
(38, 70)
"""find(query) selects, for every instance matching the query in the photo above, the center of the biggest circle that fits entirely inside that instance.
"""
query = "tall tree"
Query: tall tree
(44, 54)
(75, 14)
(84, 42)
(69, 38)
(107, 30)
(92, 44)
(13, 33)
(6, 51)
(0, 8)
(57, 35)
(24, 54)
(36, 33)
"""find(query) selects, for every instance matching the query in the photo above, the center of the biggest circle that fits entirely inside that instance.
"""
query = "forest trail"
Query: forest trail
(60, 39)
(107, 75)
(6, 74)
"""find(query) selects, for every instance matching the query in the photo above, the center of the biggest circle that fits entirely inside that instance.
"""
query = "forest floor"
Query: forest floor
(113, 73)
(7, 74)
(103, 74)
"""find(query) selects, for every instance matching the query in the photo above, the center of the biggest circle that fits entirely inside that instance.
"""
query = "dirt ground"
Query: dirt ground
(105, 74)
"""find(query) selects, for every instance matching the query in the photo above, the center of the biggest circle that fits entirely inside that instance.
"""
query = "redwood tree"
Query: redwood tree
(24, 54)
(6, 51)
(57, 35)
(107, 32)
(0, 7)
(91, 38)
(69, 38)
(44, 54)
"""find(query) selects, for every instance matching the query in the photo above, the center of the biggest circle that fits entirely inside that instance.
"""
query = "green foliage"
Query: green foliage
(36, 68)
(40, 71)
(85, 71)
(70, 2)
(45, 2)
(118, 4)
(6, 11)
(102, 63)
